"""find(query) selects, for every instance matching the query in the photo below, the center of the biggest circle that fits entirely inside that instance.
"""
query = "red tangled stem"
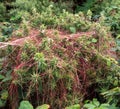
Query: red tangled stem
(13, 91)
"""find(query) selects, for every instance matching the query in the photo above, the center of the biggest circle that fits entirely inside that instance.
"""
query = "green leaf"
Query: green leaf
(118, 37)
(1, 77)
(2, 103)
(44, 106)
(72, 29)
(94, 40)
(7, 79)
(25, 105)
(89, 106)
(96, 102)
(104, 106)
(77, 106)
(4, 95)
(113, 107)
(118, 42)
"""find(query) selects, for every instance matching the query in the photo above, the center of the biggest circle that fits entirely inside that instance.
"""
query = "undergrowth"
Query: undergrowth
(55, 70)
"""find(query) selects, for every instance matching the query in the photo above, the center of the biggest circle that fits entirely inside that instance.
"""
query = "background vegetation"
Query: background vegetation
(59, 54)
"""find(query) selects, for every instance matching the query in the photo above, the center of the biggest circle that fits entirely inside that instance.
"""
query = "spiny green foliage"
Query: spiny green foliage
(86, 6)
(60, 72)
(49, 71)
(111, 11)
(2, 11)
(112, 94)
(47, 13)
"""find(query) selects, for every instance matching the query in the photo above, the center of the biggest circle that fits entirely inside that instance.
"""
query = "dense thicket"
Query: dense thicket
(59, 53)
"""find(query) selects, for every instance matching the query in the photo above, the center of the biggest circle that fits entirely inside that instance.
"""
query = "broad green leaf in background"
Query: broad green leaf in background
(2, 103)
(104, 106)
(44, 106)
(89, 106)
(96, 102)
(7, 79)
(1, 77)
(25, 105)
(76, 106)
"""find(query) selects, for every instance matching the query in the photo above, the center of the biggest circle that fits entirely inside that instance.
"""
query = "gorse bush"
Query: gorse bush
(64, 20)
(86, 6)
(59, 72)
(49, 14)
(111, 95)
(2, 11)
(111, 11)
(49, 65)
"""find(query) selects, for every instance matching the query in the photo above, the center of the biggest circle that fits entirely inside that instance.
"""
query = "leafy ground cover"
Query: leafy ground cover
(53, 58)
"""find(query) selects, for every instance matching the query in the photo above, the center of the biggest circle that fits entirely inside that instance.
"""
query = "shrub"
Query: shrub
(95, 104)
(57, 69)
(2, 11)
